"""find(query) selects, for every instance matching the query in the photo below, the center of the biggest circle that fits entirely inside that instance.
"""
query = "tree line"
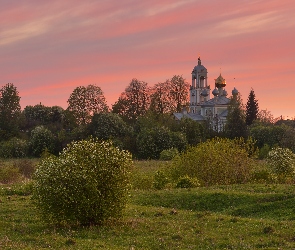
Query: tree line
(140, 121)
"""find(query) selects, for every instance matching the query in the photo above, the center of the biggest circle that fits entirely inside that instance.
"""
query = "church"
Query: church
(202, 107)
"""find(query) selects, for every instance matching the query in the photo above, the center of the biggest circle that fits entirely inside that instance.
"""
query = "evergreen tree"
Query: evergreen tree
(236, 123)
(251, 108)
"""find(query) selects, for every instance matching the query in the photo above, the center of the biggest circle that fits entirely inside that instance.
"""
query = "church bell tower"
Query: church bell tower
(199, 90)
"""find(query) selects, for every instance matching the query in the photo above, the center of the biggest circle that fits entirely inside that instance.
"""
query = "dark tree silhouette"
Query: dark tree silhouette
(134, 101)
(84, 102)
(236, 123)
(251, 108)
(10, 111)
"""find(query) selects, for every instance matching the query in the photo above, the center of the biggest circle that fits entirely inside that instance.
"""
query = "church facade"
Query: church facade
(202, 107)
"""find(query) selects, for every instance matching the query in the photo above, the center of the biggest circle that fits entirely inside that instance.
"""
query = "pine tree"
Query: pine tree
(236, 123)
(251, 108)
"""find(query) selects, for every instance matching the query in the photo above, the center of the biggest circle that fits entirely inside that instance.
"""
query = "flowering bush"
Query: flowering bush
(217, 161)
(281, 161)
(88, 183)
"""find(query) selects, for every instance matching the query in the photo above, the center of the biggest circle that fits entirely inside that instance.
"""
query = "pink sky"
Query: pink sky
(48, 48)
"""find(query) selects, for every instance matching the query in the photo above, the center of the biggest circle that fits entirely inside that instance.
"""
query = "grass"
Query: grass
(251, 216)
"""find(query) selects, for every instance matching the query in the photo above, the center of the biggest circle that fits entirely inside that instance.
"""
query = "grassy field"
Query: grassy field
(252, 216)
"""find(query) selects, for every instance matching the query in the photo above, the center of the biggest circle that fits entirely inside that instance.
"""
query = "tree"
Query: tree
(107, 126)
(161, 99)
(265, 117)
(42, 115)
(236, 122)
(251, 108)
(169, 96)
(41, 139)
(10, 111)
(84, 102)
(134, 101)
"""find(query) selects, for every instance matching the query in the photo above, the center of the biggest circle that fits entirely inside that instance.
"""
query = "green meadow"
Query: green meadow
(246, 216)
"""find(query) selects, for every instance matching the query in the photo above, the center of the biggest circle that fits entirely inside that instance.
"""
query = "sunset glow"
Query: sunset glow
(48, 48)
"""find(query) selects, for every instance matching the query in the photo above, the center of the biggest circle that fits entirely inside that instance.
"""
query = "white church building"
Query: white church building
(202, 107)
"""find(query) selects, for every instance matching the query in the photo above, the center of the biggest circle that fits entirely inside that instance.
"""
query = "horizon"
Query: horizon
(49, 49)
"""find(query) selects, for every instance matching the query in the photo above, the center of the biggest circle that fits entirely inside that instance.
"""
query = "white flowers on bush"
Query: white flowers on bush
(281, 161)
(88, 183)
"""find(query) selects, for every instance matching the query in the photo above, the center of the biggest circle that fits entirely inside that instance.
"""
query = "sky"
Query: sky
(48, 48)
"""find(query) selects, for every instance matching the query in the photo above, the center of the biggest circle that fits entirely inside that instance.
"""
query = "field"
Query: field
(250, 216)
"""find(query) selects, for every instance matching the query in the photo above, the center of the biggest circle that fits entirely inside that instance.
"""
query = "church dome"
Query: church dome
(215, 92)
(220, 82)
(204, 92)
(199, 67)
(224, 92)
(235, 91)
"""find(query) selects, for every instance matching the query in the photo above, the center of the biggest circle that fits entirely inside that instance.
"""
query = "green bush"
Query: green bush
(263, 152)
(187, 182)
(41, 139)
(14, 148)
(160, 180)
(216, 161)
(281, 161)
(88, 183)
(168, 154)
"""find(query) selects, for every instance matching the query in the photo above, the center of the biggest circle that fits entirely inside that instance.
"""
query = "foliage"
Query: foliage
(236, 125)
(160, 180)
(216, 161)
(88, 183)
(9, 111)
(151, 142)
(179, 92)
(193, 130)
(187, 182)
(266, 117)
(263, 152)
(281, 161)
(84, 102)
(251, 108)
(274, 135)
(169, 96)
(42, 115)
(168, 154)
(40, 140)
(107, 126)
(14, 148)
(134, 101)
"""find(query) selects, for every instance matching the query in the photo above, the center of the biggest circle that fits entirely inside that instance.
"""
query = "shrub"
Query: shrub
(41, 139)
(216, 161)
(14, 148)
(168, 154)
(263, 152)
(281, 161)
(187, 182)
(88, 183)
(160, 180)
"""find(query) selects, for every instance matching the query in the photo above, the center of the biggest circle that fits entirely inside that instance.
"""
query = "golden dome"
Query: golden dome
(220, 82)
